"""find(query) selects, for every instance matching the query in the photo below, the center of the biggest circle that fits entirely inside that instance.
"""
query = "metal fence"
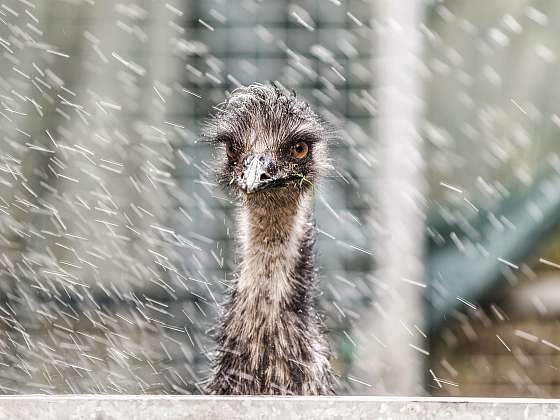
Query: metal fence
(116, 246)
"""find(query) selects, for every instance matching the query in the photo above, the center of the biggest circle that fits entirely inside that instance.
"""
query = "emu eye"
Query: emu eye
(300, 150)
(230, 151)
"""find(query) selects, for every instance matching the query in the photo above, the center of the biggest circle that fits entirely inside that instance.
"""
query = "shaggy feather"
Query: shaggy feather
(270, 338)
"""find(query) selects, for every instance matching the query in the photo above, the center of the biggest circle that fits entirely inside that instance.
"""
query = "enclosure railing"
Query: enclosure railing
(132, 407)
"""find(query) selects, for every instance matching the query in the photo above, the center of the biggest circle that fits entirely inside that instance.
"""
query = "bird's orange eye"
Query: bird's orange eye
(300, 150)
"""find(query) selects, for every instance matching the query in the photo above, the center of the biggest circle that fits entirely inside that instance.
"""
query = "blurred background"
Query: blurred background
(437, 229)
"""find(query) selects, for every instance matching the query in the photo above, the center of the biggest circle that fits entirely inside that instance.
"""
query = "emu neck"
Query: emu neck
(269, 340)
(273, 242)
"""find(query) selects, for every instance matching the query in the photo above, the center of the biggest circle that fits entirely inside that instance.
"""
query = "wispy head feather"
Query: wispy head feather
(268, 119)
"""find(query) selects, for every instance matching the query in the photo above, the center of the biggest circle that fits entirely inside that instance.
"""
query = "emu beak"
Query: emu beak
(257, 172)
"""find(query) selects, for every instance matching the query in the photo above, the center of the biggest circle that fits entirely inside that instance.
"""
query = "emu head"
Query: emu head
(273, 146)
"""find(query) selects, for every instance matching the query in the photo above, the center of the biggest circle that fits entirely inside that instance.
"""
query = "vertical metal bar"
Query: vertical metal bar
(393, 349)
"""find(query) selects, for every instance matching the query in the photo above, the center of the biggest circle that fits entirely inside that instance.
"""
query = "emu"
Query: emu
(270, 339)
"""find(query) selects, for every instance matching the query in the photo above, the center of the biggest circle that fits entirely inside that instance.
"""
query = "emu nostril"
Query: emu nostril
(264, 177)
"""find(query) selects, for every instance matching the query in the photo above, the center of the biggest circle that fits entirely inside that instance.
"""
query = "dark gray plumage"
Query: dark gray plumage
(270, 337)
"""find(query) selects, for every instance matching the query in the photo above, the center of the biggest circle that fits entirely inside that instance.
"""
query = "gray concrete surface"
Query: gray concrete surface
(231, 408)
